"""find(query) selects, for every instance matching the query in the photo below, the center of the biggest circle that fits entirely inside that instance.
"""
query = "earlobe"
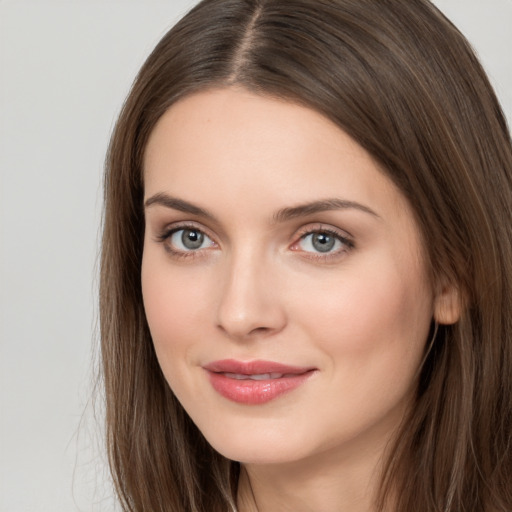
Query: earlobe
(447, 305)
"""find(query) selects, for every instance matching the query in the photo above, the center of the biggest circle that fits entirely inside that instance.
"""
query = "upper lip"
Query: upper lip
(256, 367)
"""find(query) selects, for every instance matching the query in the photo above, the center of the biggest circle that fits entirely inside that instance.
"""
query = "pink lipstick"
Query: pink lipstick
(255, 382)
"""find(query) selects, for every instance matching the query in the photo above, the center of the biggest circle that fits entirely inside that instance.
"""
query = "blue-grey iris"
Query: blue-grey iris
(192, 239)
(323, 242)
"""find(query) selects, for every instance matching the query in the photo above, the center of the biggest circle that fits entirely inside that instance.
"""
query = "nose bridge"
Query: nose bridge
(249, 301)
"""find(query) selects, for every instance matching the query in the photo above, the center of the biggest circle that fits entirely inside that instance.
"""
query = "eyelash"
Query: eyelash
(165, 236)
(346, 242)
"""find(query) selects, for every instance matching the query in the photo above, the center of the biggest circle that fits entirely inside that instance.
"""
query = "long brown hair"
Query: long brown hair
(404, 83)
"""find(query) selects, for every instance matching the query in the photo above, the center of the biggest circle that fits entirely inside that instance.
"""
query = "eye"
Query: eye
(323, 243)
(319, 242)
(189, 239)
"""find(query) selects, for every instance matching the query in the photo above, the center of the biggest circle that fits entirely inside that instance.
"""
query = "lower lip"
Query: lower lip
(255, 392)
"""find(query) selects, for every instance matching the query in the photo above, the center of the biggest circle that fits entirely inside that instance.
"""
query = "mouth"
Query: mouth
(259, 376)
(255, 382)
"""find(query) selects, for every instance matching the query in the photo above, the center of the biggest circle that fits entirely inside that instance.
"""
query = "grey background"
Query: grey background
(65, 68)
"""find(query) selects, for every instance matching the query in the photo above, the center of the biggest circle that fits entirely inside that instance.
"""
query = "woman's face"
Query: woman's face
(283, 279)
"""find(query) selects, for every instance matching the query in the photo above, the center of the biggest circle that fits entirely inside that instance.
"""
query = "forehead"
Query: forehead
(237, 147)
(229, 118)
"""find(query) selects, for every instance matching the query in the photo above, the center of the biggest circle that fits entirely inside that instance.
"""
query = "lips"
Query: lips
(261, 376)
(255, 382)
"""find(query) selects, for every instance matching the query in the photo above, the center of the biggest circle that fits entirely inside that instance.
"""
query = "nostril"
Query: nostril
(260, 330)
(241, 333)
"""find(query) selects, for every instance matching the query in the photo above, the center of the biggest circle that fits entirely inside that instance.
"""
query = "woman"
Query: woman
(306, 268)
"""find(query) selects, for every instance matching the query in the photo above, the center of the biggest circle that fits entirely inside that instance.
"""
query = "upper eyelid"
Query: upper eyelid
(167, 225)
(168, 229)
(323, 228)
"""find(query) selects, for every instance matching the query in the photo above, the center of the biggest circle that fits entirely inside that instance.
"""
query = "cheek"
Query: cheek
(372, 322)
(372, 331)
(175, 306)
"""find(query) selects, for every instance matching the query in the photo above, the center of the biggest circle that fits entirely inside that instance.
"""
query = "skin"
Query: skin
(258, 288)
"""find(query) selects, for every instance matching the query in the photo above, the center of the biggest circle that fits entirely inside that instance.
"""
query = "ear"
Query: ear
(447, 305)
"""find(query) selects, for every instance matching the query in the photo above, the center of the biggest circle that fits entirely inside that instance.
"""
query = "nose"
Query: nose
(250, 304)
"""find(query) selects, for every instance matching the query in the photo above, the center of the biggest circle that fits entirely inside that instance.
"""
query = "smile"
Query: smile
(255, 382)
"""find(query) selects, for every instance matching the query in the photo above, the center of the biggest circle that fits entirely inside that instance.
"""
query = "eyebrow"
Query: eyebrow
(283, 215)
(320, 206)
(168, 201)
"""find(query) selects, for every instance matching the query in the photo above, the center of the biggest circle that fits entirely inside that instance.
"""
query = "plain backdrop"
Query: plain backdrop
(65, 68)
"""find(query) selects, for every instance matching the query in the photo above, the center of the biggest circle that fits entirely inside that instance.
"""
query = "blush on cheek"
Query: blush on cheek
(169, 296)
(175, 314)
(382, 317)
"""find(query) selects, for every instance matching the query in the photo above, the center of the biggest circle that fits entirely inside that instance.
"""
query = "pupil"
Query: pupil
(192, 239)
(323, 242)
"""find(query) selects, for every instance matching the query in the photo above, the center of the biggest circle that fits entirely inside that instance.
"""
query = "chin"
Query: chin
(257, 454)
(258, 444)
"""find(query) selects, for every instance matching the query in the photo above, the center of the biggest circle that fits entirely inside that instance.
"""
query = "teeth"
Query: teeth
(260, 376)
(266, 376)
